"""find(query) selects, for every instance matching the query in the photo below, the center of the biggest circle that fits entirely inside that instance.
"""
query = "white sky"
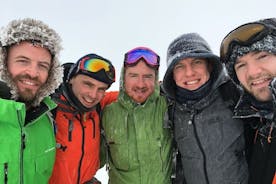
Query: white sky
(112, 27)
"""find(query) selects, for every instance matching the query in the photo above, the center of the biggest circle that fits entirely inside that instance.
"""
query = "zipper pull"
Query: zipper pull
(5, 173)
(23, 141)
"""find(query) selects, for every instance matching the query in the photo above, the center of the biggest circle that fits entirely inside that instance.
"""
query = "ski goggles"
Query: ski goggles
(94, 65)
(133, 56)
(244, 35)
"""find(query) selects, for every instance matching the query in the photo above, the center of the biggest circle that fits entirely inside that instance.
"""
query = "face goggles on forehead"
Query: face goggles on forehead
(150, 57)
(94, 65)
(244, 35)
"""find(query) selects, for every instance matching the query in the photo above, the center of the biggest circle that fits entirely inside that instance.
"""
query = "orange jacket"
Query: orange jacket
(78, 143)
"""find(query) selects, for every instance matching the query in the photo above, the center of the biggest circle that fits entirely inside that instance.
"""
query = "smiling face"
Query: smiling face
(191, 73)
(255, 71)
(88, 91)
(28, 66)
(139, 81)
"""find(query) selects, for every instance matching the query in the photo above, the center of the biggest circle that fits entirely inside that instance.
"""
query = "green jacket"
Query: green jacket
(27, 143)
(140, 147)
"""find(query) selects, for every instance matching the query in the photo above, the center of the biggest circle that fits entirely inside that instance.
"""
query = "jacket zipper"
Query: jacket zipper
(93, 126)
(82, 149)
(200, 146)
(160, 152)
(70, 129)
(5, 173)
(21, 147)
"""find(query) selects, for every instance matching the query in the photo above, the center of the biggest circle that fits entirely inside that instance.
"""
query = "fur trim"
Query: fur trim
(32, 30)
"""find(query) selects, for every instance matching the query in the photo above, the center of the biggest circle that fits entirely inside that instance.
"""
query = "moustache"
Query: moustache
(28, 77)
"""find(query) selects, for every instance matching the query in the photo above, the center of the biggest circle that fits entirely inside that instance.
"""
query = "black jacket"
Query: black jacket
(262, 161)
(4, 90)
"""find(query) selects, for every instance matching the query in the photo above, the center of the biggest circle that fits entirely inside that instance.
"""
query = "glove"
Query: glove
(93, 181)
(272, 87)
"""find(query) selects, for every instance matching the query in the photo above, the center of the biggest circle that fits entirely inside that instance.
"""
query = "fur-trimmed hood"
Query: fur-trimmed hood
(34, 31)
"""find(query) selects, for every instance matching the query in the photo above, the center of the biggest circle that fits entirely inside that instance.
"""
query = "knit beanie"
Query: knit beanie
(105, 70)
(190, 45)
(267, 43)
(37, 32)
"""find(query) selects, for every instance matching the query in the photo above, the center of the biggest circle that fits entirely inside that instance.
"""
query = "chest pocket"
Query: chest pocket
(185, 134)
(117, 140)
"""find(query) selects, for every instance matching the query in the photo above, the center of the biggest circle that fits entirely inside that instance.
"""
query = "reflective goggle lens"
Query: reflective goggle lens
(133, 56)
(95, 65)
(242, 34)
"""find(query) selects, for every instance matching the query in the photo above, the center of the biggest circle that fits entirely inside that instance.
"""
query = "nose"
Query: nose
(32, 71)
(253, 69)
(93, 93)
(189, 71)
(140, 82)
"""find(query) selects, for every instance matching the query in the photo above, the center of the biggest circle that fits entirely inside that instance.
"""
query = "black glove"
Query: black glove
(93, 181)
(272, 87)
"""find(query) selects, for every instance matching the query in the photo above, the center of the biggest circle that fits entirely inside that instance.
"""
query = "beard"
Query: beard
(27, 95)
(263, 94)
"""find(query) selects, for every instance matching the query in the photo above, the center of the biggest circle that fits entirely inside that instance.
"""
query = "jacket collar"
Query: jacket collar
(245, 109)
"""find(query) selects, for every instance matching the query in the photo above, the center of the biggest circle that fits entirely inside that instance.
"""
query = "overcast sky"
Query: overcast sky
(112, 27)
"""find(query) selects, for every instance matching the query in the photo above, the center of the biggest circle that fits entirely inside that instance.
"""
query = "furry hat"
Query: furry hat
(267, 43)
(190, 45)
(33, 31)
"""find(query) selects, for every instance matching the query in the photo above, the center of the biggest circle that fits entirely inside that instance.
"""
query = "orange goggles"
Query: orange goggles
(244, 35)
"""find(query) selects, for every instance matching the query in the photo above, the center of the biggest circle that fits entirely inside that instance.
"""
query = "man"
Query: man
(31, 70)
(210, 142)
(249, 53)
(139, 146)
(80, 99)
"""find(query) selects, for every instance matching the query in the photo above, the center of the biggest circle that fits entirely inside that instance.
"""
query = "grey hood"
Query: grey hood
(31, 30)
(190, 45)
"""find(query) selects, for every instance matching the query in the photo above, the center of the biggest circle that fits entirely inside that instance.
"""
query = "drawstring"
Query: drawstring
(270, 132)
(268, 137)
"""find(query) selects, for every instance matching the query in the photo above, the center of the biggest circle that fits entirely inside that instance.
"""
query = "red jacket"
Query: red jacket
(78, 143)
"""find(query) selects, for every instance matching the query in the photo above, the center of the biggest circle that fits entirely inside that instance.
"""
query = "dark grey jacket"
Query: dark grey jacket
(210, 141)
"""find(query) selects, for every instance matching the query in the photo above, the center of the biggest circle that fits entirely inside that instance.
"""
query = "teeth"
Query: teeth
(259, 81)
(192, 82)
(88, 100)
(29, 83)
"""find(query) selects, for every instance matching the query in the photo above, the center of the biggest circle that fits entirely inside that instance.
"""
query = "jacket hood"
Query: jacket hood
(31, 30)
(189, 45)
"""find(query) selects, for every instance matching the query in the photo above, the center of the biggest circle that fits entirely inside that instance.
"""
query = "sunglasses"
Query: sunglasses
(133, 56)
(244, 35)
(94, 65)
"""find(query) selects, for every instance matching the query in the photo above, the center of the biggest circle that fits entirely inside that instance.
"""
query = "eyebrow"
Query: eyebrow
(44, 62)
(237, 61)
(22, 57)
